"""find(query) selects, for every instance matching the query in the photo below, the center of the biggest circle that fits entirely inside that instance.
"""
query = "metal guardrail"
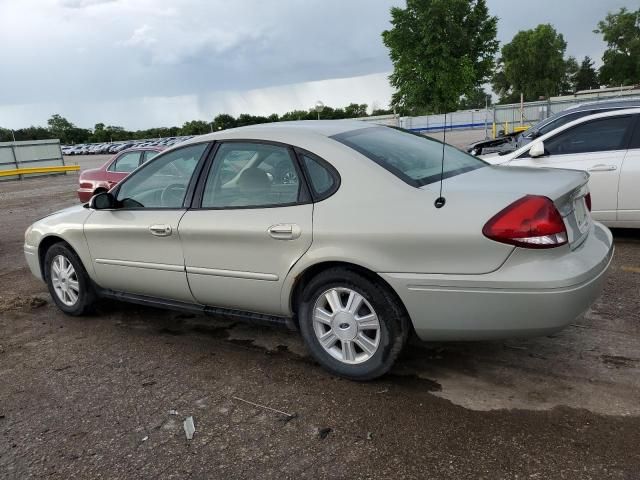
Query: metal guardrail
(29, 156)
(32, 170)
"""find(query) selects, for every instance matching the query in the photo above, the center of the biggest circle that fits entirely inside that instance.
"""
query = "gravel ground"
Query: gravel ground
(91, 397)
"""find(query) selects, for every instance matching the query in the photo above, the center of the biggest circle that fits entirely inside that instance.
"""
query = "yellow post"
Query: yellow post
(506, 128)
(493, 130)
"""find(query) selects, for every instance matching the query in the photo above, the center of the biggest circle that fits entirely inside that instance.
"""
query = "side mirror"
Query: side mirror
(102, 201)
(537, 150)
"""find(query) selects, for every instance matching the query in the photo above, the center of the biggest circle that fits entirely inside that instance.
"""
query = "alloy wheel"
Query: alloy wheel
(65, 280)
(346, 325)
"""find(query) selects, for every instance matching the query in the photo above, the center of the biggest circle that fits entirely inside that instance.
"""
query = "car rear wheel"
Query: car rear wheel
(354, 327)
(68, 282)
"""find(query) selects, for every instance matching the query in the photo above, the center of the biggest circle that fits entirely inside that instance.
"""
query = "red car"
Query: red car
(102, 179)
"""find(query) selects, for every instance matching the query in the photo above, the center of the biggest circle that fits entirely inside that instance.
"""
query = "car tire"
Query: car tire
(68, 281)
(350, 355)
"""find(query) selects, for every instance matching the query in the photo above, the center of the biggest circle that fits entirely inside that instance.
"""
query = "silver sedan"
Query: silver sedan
(355, 234)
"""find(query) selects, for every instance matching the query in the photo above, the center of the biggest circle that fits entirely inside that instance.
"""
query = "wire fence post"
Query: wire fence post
(15, 159)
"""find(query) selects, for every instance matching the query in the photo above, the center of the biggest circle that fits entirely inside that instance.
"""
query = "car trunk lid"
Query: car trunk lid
(566, 188)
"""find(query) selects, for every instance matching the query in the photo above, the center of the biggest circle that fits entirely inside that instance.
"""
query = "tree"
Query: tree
(440, 49)
(621, 59)
(478, 98)
(224, 121)
(355, 110)
(569, 79)
(195, 127)
(587, 76)
(532, 64)
(60, 127)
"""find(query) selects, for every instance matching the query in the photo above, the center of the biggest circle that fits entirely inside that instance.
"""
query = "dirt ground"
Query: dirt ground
(105, 396)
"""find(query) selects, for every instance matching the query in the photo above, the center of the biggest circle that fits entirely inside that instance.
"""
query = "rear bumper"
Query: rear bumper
(534, 293)
(85, 194)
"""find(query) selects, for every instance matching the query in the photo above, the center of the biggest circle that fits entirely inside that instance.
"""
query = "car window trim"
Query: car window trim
(195, 176)
(304, 193)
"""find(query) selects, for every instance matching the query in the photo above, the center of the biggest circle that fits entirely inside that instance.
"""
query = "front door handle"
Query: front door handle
(160, 230)
(602, 168)
(284, 231)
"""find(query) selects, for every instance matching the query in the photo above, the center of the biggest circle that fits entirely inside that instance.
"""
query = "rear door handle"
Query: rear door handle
(602, 168)
(160, 230)
(284, 231)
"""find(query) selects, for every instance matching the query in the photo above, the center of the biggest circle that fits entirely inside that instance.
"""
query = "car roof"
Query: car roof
(586, 118)
(617, 103)
(295, 129)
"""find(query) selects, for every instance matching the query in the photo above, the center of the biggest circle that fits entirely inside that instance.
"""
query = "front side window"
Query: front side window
(163, 182)
(414, 158)
(127, 162)
(251, 175)
(593, 136)
(635, 139)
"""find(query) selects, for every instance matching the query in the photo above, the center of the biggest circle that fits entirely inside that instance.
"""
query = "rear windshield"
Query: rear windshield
(414, 158)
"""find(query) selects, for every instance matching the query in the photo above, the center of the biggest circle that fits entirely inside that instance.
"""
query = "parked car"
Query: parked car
(102, 179)
(515, 140)
(337, 228)
(607, 146)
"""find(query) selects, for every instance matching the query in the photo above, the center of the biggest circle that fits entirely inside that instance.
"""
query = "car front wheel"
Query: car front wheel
(68, 282)
(353, 326)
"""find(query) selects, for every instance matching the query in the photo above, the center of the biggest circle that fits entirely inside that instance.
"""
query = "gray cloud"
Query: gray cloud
(82, 3)
(79, 55)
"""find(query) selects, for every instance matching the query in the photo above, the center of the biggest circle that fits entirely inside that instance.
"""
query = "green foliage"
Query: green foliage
(224, 121)
(22, 134)
(63, 129)
(441, 50)
(478, 98)
(354, 110)
(621, 60)
(571, 69)
(196, 127)
(381, 111)
(587, 76)
(532, 64)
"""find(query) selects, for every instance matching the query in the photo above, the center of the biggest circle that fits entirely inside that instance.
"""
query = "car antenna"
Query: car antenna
(440, 201)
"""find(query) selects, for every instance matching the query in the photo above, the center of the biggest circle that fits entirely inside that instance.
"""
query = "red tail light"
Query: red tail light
(587, 200)
(531, 222)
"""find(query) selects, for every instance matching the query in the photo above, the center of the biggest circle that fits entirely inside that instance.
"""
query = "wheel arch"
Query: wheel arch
(303, 279)
(45, 244)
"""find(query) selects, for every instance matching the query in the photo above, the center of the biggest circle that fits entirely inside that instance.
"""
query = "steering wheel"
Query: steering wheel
(172, 195)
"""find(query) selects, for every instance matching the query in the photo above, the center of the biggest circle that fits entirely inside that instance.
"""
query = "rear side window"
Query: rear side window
(414, 158)
(251, 175)
(127, 162)
(599, 135)
(323, 181)
(148, 155)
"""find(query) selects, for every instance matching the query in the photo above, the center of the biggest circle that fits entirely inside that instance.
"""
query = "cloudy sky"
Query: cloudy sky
(144, 63)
